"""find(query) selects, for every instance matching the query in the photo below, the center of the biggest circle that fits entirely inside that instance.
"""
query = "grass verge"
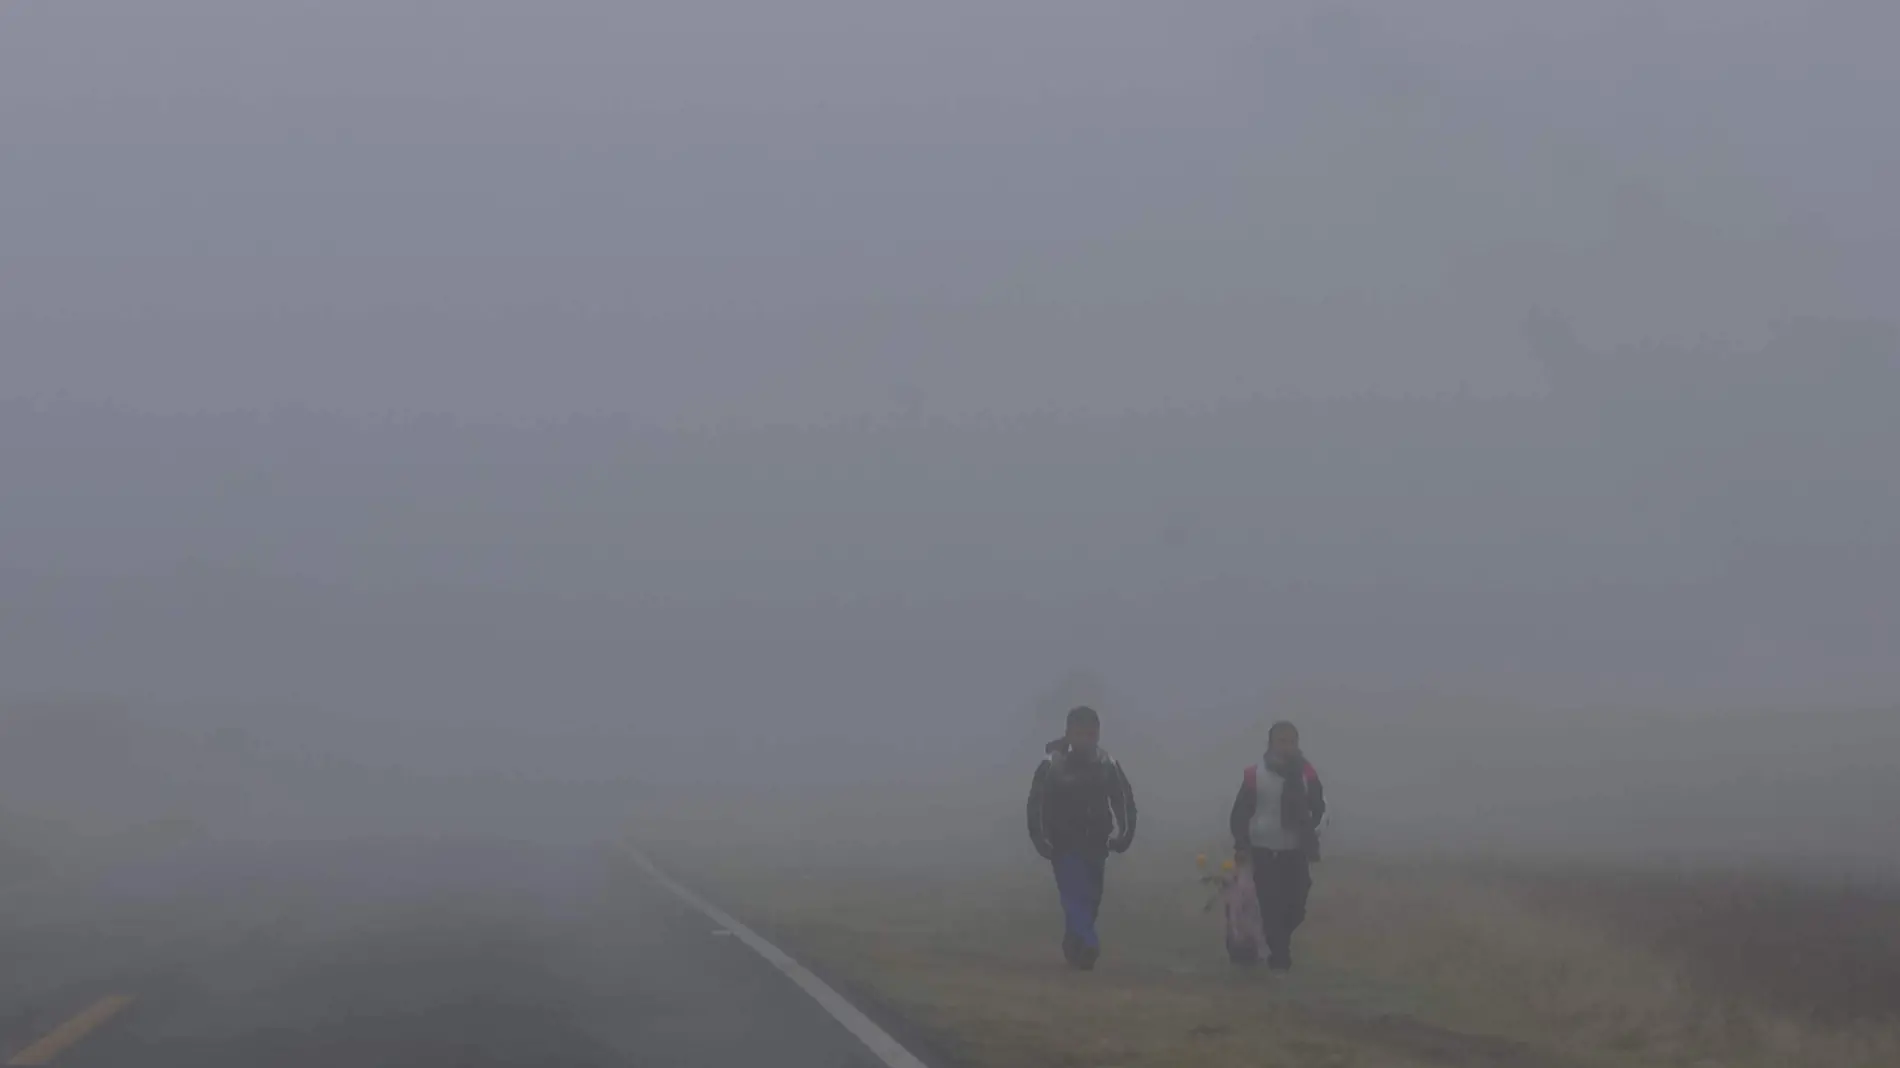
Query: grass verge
(1400, 964)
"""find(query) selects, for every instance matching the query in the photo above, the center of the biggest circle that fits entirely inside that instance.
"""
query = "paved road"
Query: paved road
(405, 953)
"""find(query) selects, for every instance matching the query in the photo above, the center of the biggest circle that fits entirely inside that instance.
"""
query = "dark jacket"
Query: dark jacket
(1080, 804)
(1302, 806)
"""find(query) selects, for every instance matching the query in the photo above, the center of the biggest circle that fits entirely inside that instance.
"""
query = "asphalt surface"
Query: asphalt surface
(409, 953)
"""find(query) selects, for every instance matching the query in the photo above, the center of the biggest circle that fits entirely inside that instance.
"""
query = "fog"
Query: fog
(760, 423)
(1542, 607)
(750, 213)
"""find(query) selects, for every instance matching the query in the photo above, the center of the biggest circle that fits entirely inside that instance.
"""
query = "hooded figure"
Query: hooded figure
(1275, 824)
(1080, 808)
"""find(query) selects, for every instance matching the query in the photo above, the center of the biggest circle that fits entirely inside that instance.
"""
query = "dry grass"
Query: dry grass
(1400, 965)
(1825, 951)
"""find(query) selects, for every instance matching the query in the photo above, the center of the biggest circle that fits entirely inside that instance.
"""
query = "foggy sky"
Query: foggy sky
(630, 390)
(703, 213)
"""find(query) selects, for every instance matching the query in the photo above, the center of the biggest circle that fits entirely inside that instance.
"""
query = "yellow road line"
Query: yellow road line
(59, 1038)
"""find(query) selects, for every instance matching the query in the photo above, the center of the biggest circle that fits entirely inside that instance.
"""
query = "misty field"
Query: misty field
(1400, 964)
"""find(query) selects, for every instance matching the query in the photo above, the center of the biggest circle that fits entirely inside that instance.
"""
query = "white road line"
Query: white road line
(876, 1038)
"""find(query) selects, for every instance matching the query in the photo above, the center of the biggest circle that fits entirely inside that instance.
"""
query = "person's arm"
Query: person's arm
(1315, 795)
(1242, 814)
(1121, 801)
(1038, 787)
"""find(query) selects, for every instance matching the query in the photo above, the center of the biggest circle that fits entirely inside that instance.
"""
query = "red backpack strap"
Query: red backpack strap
(1250, 777)
(1309, 773)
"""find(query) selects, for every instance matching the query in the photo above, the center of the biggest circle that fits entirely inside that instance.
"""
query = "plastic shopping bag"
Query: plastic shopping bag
(1244, 934)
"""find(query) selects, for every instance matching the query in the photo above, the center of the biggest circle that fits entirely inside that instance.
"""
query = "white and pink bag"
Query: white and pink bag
(1245, 937)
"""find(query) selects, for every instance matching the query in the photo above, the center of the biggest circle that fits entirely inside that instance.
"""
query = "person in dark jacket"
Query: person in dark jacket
(1080, 808)
(1275, 823)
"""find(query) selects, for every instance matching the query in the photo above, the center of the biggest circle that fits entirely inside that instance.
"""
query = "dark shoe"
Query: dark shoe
(1071, 948)
(1085, 957)
(1280, 964)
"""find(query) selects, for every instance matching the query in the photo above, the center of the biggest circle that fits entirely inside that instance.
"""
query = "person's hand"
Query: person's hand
(1044, 849)
(1242, 856)
(1120, 845)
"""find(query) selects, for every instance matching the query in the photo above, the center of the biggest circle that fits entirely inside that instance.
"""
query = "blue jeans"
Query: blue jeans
(1079, 879)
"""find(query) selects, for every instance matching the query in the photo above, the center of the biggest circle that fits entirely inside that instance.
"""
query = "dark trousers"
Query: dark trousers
(1281, 879)
(1079, 879)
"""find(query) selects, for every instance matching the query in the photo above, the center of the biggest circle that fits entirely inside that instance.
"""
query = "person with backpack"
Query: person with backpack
(1275, 824)
(1081, 808)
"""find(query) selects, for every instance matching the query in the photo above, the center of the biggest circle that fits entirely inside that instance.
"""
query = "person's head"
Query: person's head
(1283, 739)
(1084, 730)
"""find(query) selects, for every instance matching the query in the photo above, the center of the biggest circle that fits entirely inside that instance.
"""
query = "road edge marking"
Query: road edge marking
(68, 1034)
(879, 1041)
